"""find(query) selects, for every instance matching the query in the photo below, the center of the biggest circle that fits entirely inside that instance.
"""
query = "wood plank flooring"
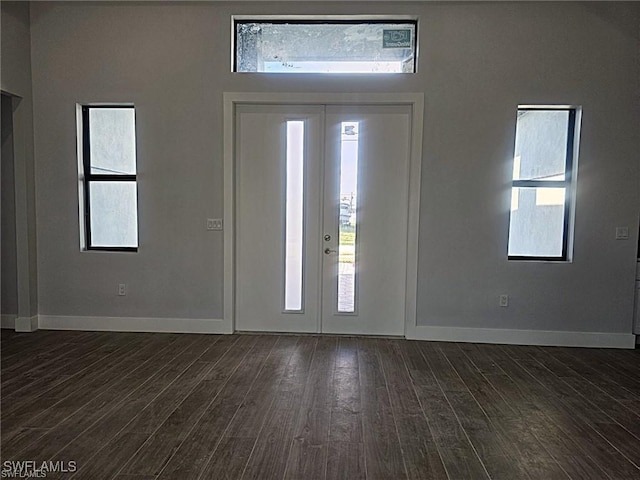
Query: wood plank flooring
(134, 406)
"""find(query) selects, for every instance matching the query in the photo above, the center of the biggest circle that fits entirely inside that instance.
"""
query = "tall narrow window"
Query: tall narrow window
(109, 173)
(294, 217)
(348, 209)
(542, 185)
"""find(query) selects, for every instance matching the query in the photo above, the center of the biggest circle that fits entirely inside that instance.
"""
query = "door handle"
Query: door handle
(327, 251)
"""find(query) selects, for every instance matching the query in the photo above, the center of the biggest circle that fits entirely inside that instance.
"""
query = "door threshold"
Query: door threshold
(319, 334)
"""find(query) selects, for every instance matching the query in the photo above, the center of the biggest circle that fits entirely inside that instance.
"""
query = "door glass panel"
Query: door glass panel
(347, 219)
(294, 216)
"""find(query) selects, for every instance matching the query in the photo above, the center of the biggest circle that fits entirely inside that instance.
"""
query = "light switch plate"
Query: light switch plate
(214, 224)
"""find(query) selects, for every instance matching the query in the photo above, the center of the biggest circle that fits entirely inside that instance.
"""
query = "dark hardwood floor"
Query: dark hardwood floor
(131, 406)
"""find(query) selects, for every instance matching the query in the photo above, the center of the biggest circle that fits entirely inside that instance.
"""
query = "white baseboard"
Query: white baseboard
(19, 324)
(134, 324)
(8, 321)
(27, 324)
(220, 326)
(523, 337)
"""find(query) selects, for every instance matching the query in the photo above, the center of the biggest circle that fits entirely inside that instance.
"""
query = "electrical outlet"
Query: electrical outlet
(122, 289)
(622, 233)
(214, 224)
(504, 300)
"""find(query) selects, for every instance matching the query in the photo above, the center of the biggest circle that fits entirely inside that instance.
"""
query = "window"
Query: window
(347, 254)
(294, 218)
(542, 193)
(108, 174)
(335, 45)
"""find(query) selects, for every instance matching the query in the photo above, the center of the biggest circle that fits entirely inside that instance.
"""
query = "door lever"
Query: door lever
(327, 251)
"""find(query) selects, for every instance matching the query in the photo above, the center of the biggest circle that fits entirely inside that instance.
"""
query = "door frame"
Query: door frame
(233, 99)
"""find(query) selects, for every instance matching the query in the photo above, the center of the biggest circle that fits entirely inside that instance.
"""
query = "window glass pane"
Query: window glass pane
(348, 208)
(537, 222)
(339, 47)
(294, 220)
(114, 214)
(112, 140)
(541, 145)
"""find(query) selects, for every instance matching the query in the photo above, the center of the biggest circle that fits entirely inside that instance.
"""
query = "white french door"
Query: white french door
(321, 197)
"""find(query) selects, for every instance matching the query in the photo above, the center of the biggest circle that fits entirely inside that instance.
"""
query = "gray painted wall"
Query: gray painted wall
(16, 80)
(478, 61)
(9, 278)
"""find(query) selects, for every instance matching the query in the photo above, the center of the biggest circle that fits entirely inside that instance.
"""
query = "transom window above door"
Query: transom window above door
(334, 44)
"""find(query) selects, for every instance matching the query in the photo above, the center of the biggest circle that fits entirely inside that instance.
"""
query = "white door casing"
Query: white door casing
(387, 215)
